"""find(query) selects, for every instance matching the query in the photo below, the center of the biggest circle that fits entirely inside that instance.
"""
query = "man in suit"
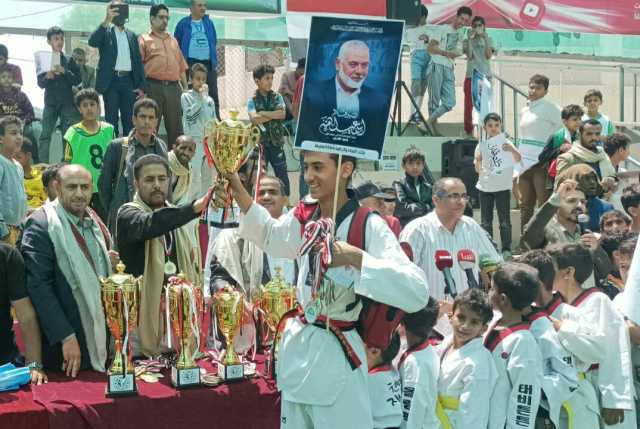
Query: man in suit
(65, 249)
(120, 77)
(344, 110)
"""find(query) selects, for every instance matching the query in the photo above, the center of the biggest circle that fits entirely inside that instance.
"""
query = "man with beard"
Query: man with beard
(588, 152)
(347, 99)
(179, 162)
(65, 249)
(155, 242)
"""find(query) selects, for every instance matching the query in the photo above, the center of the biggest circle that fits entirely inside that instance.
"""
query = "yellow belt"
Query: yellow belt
(446, 403)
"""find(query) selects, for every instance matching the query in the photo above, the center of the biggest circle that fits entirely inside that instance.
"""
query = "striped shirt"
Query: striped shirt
(427, 234)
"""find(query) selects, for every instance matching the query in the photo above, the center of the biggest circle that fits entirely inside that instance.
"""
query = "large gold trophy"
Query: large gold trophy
(228, 144)
(228, 305)
(275, 299)
(185, 305)
(121, 301)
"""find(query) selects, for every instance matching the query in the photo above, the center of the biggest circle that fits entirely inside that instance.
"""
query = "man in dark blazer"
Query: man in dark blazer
(344, 110)
(65, 249)
(120, 75)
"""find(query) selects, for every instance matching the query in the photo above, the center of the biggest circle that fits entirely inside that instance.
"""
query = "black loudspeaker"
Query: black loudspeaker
(457, 161)
(407, 10)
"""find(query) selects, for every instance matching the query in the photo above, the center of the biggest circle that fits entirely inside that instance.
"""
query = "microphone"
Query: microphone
(444, 262)
(583, 223)
(467, 260)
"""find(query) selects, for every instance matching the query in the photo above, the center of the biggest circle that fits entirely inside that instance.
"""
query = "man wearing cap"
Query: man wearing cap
(370, 195)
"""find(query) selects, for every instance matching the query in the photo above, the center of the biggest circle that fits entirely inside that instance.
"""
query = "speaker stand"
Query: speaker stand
(396, 117)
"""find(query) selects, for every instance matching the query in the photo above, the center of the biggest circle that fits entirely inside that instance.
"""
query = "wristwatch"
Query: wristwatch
(35, 365)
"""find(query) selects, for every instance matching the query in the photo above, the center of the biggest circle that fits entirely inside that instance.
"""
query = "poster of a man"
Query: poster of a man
(351, 69)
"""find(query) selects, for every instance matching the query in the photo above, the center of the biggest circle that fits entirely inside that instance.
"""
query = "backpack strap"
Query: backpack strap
(358, 226)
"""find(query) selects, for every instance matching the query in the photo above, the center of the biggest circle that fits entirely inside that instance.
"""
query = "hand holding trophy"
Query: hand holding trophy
(184, 306)
(227, 145)
(121, 301)
(228, 305)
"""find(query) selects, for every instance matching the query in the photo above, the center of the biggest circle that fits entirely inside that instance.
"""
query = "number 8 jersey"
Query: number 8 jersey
(88, 149)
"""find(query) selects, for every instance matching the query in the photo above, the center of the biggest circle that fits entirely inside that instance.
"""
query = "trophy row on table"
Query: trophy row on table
(227, 144)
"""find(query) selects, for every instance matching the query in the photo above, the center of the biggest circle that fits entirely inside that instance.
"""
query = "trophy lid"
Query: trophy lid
(119, 278)
(277, 283)
(179, 280)
(232, 121)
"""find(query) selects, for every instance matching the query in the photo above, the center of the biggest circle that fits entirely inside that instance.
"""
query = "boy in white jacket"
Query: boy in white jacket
(467, 372)
(612, 373)
(198, 108)
(419, 368)
(515, 400)
(384, 385)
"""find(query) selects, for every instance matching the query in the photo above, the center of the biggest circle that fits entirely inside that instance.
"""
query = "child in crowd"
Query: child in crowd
(418, 37)
(414, 191)
(611, 242)
(515, 400)
(494, 160)
(592, 102)
(560, 378)
(198, 109)
(612, 373)
(15, 102)
(384, 385)
(13, 200)
(467, 372)
(267, 110)
(561, 141)
(419, 369)
(87, 141)
(49, 179)
(36, 195)
(58, 86)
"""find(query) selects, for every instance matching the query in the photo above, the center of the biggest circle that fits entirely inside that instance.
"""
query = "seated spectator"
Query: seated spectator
(614, 221)
(13, 294)
(267, 110)
(49, 180)
(588, 182)
(181, 174)
(87, 141)
(414, 191)
(116, 182)
(561, 141)
(87, 73)
(390, 200)
(15, 102)
(587, 151)
(288, 83)
(612, 243)
(631, 203)
(13, 200)
(58, 86)
(370, 195)
(36, 195)
(495, 181)
(13, 69)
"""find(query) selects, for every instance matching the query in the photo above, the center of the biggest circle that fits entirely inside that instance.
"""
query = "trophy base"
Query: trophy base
(231, 372)
(119, 385)
(184, 378)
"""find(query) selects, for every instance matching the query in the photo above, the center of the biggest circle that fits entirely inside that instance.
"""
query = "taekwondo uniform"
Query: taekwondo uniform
(559, 377)
(581, 409)
(612, 376)
(419, 367)
(515, 400)
(320, 387)
(385, 395)
(468, 376)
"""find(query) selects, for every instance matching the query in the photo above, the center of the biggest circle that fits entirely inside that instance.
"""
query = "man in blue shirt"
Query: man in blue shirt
(196, 35)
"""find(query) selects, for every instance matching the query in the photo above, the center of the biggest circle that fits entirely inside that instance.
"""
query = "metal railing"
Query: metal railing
(515, 92)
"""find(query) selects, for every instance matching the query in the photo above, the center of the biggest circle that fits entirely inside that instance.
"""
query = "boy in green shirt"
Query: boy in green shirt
(593, 101)
(561, 141)
(87, 140)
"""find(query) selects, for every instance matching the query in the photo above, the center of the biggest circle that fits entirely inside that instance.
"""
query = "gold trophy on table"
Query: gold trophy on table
(275, 299)
(185, 304)
(120, 295)
(228, 144)
(228, 305)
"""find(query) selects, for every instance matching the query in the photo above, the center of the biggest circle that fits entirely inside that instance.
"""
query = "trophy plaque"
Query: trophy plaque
(120, 295)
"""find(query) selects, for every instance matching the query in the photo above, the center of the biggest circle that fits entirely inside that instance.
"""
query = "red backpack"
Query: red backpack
(377, 321)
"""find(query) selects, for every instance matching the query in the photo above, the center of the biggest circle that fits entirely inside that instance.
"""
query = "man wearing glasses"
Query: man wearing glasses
(165, 69)
(446, 228)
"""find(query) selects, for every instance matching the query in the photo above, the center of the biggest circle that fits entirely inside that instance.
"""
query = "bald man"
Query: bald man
(65, 247)
(347, 98)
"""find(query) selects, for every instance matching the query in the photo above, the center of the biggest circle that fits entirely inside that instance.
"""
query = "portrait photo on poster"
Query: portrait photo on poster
(349, 84)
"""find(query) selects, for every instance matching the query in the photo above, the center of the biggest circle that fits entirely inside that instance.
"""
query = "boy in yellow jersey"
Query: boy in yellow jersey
(36, 195)
(87, 140)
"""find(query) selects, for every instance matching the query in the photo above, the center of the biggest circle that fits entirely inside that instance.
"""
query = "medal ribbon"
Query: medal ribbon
(125, 344)
(317, 240)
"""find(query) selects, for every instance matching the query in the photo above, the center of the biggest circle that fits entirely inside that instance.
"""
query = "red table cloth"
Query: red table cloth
(80, 403)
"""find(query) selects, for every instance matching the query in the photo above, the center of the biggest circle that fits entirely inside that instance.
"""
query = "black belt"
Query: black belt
(163, 82)
(121, 73)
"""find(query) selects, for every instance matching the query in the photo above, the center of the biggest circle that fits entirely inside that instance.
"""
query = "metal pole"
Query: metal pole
(502, 100)
(621, 93)
(515, 117)
(635, 97)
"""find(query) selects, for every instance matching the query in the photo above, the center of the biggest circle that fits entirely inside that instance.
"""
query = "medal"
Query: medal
(311, 313)
(170, 268)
